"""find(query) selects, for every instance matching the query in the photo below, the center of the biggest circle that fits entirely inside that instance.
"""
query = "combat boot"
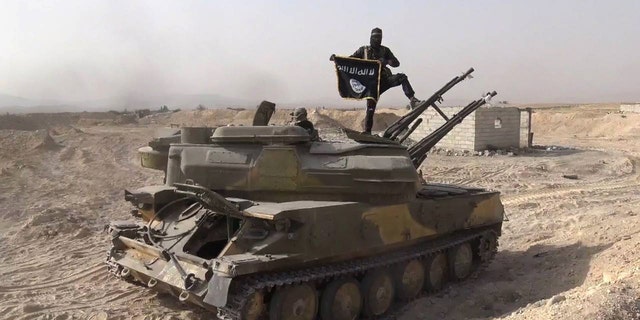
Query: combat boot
(368, 120)
(414, 102)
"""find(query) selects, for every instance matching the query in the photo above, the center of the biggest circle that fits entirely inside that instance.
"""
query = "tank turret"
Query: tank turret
(280, 163)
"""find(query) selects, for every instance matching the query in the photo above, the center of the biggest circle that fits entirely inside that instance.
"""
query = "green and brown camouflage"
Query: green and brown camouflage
(255, 208)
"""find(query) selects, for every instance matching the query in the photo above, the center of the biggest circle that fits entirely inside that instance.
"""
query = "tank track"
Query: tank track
(242, 290)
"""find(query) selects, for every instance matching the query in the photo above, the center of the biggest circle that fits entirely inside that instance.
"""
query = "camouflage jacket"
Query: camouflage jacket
(369, 53)
(307, 125)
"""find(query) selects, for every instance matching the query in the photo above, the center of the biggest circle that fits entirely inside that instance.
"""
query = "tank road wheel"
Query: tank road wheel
(341, 300)
(461, 261)
(255, 308)
(487, 247)
(409, 279)
(378, 292)
(296, 302)
(436, 272)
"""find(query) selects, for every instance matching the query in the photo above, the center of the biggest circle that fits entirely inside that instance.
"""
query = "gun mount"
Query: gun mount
(401, 124)
(400, 130)
(418, 151)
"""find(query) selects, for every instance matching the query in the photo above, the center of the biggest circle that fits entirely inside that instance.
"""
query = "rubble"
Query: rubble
(510, 152)
(556, 299)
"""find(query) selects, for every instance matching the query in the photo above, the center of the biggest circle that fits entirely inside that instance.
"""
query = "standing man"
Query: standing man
(376, 51)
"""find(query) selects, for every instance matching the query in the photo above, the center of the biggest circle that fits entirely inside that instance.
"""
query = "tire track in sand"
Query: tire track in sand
(629, 182)
(85, 273)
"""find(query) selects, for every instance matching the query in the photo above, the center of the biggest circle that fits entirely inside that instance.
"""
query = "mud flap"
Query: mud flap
(217, 291)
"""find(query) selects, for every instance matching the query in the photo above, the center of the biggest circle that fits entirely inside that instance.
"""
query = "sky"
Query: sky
(529, 51)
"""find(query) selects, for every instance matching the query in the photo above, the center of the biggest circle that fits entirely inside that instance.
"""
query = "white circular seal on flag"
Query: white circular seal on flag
(356, 86)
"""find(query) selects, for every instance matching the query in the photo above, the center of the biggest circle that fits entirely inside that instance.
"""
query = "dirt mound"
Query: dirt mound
(16, 142)
(620, 305)
(118, 119)
(321, 121)
(354, 119)
(128, 118)
(213, 117)
(156, 118)
(322, 118)
(18, 122)
(47, 142)
(64, 130)
(223, 117)
(87, 122)
(52, 222)
(381, 120)
(35, 121)
(587, 123)
(351, 119)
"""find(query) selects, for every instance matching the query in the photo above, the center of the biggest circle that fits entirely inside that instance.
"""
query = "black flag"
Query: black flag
(358, 78)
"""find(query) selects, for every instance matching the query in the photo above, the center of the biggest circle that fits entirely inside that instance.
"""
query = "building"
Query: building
(498, 127)
(630, 107)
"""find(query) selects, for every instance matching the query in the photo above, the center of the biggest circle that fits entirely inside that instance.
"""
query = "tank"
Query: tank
(262, 222)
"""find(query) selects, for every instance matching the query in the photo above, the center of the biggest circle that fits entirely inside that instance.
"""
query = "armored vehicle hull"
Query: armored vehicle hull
(233, 250)
(444, 233)
(261, 222)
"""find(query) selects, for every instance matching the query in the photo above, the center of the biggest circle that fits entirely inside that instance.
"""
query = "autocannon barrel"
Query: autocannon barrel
(403, 123)
(410, 131)
(418, 152)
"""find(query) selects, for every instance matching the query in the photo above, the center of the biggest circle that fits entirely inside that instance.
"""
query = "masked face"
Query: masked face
(375, 41)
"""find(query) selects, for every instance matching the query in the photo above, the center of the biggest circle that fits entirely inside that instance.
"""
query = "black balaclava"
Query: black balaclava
(376, 38)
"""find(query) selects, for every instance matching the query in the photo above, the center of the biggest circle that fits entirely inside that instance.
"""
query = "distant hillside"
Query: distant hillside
(184, 101)
(13, 104)
(7, 100)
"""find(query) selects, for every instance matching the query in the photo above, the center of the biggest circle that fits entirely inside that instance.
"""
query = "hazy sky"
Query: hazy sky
(529, 51)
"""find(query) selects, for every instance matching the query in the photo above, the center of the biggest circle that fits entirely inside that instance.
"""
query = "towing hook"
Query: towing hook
(190, 281)
(152, 283)
(125, 273)
(184, 295)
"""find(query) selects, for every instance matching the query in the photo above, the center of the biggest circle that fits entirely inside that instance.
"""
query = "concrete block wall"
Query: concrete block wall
(630, 107)
(489, 133)
(525, 129)
(477, 131)
(460, 138)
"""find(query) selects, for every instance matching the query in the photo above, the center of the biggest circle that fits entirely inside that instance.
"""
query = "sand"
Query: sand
(570, 250)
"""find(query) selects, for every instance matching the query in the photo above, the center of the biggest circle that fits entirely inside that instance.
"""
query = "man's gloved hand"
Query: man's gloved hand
(383, 62)
(333, 57)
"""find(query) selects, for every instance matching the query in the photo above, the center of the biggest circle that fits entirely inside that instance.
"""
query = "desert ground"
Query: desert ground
(569, 250)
